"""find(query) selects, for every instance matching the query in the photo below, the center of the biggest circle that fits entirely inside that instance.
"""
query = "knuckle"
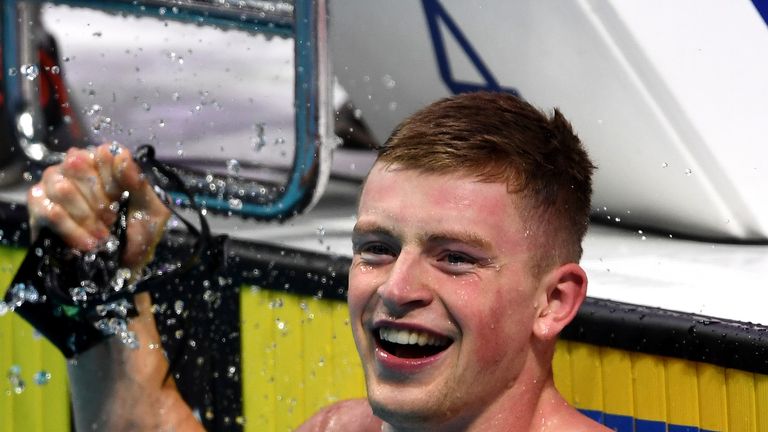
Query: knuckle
(63, 189)
(51, 172)
(55, 213)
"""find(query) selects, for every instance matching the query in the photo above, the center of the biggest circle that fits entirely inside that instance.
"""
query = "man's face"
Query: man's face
(441, 294)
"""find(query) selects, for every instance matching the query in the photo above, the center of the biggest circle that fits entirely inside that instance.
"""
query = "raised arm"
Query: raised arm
(113, 386)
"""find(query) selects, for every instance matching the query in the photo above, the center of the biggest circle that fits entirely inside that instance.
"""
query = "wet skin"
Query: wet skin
(447, 258)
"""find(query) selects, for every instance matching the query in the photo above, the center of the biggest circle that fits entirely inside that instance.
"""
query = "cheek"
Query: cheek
(361, 288)
(502, 328)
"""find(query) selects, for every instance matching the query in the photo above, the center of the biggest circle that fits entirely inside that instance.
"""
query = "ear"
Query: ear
(563, 292)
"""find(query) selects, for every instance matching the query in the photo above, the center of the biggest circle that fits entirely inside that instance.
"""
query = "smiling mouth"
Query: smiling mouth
(410, 343)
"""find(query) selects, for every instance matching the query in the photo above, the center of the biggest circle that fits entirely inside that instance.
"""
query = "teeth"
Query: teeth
(410, 337)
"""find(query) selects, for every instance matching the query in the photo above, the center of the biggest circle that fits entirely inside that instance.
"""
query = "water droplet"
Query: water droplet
(233, 167)
(12, 72)
(14, 377)
(664, 165)
(175, 96)
(388, 81)
(259, 141)
(93, 109)
(55, 70)
(114, 150)
(78, 294)
(161, 123)
(42, 377)
(21, 293)
(178, 307)
(97, 34)
(235, 204)
(320, 234)
(30, 71)
(3, 308)
(688, 171)
(146, 106)
(357, 113)
(392, 106)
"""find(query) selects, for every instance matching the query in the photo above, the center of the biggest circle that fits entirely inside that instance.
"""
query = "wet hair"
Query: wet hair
(498, 137)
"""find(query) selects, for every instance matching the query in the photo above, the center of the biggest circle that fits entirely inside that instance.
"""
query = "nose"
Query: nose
(406, 287)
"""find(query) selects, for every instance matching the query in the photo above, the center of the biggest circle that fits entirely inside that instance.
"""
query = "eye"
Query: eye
(455, 258)
(456, 262)
(376, 253)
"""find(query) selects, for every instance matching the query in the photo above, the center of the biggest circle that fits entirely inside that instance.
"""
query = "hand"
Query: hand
(78, 200)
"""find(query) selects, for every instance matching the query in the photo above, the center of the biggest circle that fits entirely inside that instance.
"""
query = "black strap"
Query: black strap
(78, 299)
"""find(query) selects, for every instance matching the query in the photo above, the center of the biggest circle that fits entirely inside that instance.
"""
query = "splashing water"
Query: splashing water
(118, 282)
(21, 293)
(259, 141)
(115, 148)
(235, 204)
(120, 307)
(118, 327)
(233, 167)
(42, 377)
(30, 71)
(14, 377)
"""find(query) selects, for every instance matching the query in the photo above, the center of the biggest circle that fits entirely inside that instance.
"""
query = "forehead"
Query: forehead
(406, 198)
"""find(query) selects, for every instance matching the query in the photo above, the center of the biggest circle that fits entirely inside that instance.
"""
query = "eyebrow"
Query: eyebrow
(462, 236)
(466, 237)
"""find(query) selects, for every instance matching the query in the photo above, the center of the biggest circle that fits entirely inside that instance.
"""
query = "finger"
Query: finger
(127, 173)
(48, 213)
(58, 188)
(144, 232)
(80, 167)
(68, 195)
(104, 161)
(147, 215)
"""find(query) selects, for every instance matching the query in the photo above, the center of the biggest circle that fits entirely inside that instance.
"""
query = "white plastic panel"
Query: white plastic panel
(669, 98)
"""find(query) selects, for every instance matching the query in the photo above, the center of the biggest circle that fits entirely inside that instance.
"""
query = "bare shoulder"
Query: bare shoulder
(582, 423)
(556, 415)
(573, 421)
(346, 416)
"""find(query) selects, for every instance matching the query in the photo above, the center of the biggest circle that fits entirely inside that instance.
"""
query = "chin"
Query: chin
(423, 411)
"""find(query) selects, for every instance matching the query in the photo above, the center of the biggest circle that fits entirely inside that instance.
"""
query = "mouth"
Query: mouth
(410, 344)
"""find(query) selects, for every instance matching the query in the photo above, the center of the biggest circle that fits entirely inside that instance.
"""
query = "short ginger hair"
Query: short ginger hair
(498, 137)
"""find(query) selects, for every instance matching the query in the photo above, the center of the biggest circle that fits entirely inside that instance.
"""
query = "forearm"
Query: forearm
(118, 388)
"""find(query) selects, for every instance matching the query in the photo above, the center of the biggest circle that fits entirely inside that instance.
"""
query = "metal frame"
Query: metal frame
(306, 22)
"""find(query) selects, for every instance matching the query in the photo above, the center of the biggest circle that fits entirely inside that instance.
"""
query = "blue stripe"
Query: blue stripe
(619, 423)
(762, 9)
(676, 428)
(650, 426)
(594, 415)
(624, 423)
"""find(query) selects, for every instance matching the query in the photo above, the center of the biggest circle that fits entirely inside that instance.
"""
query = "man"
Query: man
(464, 272)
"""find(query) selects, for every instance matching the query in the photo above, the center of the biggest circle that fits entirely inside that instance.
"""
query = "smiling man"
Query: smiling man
(465, 270)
